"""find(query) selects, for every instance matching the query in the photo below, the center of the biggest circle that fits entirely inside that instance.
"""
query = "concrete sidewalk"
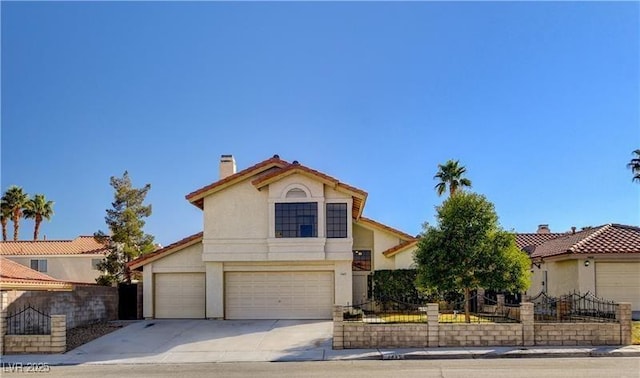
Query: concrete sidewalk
(324, 353)
(206, 341)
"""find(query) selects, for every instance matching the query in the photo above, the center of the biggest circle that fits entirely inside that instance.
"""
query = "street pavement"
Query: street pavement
(205, 341)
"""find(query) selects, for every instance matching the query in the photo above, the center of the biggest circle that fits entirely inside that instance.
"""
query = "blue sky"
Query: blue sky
(539, 100)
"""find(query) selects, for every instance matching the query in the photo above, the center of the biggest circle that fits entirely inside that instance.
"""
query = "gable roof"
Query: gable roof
(274, 169)
(400, 248)
(197, 196)
(171, 248)
(605, 239)
(370, 223)
(78, 246)
(19, 277)
(359, 196)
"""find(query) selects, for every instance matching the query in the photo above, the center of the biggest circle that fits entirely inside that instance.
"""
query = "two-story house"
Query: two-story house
(66, 260)
(280, 240)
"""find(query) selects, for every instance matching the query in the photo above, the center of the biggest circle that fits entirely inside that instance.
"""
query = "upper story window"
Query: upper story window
(361, 261)
(336, 220)
(296, 220)
(39, 265)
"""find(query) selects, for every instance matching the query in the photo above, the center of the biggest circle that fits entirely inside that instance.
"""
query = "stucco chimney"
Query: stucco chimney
(227, 166)
(543, 229)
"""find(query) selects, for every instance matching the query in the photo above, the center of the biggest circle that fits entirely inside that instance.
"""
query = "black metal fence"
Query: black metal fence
(28, 321)
(573, 308)
(482, 309)
(395, 311)
(386, 311)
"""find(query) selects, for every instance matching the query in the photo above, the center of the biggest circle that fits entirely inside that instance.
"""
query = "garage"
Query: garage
(179, 295)
(279, 295)
(619, 282)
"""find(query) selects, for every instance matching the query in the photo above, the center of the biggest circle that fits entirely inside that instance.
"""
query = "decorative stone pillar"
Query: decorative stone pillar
(432, 325)
(526, 320)
(623, 316)
(4, 304)
(338, 328)
(58, 333)
(480, 298)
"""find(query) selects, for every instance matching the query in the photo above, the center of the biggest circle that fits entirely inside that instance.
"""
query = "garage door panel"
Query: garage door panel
(279, 295)
(619, 282)
(179, 295)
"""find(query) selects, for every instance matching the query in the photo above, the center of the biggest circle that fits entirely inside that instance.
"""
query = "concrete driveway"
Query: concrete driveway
(208, 340)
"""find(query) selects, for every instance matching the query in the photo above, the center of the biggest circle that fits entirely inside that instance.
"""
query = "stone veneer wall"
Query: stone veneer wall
(351, 335)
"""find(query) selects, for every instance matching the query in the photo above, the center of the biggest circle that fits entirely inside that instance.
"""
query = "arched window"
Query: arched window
(296, 193)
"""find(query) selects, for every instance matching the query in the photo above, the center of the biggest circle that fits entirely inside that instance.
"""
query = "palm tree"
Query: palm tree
(450, 175)
(5, 215)
(15, 200)
(38, 208)
(634, 165)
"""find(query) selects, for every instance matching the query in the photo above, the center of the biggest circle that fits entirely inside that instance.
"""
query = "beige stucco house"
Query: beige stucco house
(279, 240)
(66, 260)
(603, 260)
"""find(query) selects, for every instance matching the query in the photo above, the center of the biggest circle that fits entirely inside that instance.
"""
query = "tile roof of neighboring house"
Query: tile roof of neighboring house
(197, 196)
(400, 248)
(18, 276)
(162, 252)
(78, 246)
(528, 239)
(609, 239)
(375, 224)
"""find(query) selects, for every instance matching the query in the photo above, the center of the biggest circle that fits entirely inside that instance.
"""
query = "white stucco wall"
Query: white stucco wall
(404, 259)
(72, 268)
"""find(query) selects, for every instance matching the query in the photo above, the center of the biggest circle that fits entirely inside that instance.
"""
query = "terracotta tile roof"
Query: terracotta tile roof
(196, 197)
(18, 276)
(608, 239)
(400, 247)
(529, 239)
(78, 246)
(392, 230)
(162, 252)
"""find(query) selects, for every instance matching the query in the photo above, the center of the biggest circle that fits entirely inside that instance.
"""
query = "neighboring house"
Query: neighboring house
(603, 260)
(66, 260)
(14, 276)
(280, 240)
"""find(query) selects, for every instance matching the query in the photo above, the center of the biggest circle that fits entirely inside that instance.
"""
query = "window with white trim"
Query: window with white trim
(39, 265)
(296, 220)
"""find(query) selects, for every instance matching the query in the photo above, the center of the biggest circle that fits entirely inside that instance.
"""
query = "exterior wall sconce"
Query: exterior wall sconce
(586, 263)
(536, 264)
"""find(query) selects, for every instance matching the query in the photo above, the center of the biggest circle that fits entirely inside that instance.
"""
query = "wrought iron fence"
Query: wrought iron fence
(386, 311)
(573, 308)
(395, 311)
(486, 310)
(28, 321)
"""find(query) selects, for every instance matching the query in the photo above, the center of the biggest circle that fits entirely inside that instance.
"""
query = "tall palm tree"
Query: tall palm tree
(634, 165)
(15, 199)
(5, 215)
(38, 208)
(450, 175)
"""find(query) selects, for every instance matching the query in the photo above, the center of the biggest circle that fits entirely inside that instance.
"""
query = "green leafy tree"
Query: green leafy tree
(15, 200)
(634, 165)
(5, 215)
(467, 249)
(127, 239)
(450, 175)
(38, 209)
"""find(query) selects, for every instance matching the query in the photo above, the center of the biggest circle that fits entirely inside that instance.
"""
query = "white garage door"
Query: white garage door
(619, 282)
(179, 295)
(278, 295)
